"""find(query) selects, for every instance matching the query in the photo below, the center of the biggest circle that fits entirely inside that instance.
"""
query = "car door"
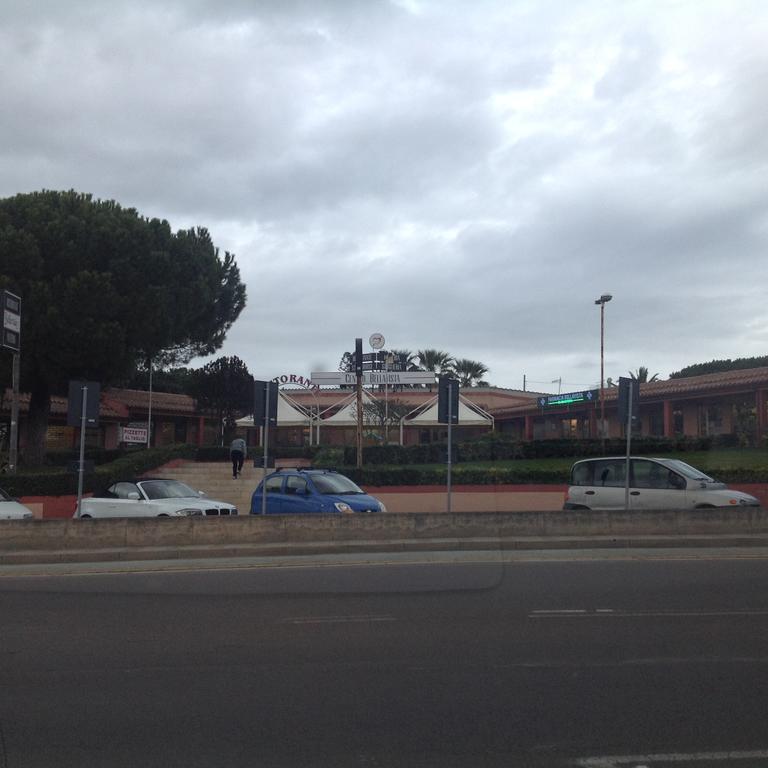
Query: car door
(129, 502)
(655, 486)
(607, 490)
(275, 496)
(297, 499)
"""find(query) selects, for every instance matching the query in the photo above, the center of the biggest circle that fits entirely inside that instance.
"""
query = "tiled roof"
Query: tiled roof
(165, 402)
(712, 383)
(116, 403)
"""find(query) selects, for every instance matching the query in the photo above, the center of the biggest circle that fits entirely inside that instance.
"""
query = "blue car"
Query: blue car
(308, 491)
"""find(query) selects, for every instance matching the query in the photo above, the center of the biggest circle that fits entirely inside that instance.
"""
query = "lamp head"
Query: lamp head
(604, 299)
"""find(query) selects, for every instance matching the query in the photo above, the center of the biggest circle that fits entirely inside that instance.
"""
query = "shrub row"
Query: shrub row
(387, 476)
(61, 483)
(493, 448)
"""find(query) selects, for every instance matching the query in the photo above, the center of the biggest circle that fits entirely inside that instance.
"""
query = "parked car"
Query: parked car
(152, 497)
(309, 491)
(653, 484)
(12, 509)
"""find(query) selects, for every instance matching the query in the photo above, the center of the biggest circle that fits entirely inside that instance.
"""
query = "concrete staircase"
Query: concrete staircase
(215, 478)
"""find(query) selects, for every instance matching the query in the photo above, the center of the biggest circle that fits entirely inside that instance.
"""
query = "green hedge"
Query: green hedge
(61, 483)
(386, 476)
(494, 448)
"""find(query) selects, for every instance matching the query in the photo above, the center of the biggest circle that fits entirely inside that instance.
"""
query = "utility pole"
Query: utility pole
(13, 448)
(359, 387)
(602, 301)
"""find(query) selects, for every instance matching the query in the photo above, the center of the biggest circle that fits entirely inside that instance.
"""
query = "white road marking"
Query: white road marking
(638, 761)
(619, 614)
(335, 619)
(560, 612)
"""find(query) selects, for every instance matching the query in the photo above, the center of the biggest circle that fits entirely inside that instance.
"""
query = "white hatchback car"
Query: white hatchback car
(10, 509)
(153, 497)
(653, 484)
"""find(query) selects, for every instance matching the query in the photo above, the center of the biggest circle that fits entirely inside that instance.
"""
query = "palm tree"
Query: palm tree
(641, 376)
(470, 372)
(406, 355)
(434, 360)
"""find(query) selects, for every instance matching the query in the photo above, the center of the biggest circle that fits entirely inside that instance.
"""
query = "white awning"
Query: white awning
(346, 415)
(289, 414)
(470, 415)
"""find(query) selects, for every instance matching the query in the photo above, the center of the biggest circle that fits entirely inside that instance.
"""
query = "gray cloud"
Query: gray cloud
(453, 176)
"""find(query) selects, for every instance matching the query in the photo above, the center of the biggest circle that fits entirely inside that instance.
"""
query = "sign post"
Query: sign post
(448, 412)
(629, 399)
(265, 413)
(82, 410)
(340, 378)
(11, 339)
(359, 397)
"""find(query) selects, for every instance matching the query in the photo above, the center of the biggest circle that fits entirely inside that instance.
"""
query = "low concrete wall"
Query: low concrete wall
(152, 532)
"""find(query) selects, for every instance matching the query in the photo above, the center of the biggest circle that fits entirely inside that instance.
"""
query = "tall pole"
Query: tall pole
(265, 451)
(629, 442)
(602, 301)
(450, 440)
(80, 465)
(359, 420)
(602, 375)
(13, 448)
(149, 409)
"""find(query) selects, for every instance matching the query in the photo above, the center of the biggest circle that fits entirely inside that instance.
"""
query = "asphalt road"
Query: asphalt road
(653, 661)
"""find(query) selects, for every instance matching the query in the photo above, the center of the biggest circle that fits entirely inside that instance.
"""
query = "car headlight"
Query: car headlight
(187, 512)
(344, 508)
(382, 508)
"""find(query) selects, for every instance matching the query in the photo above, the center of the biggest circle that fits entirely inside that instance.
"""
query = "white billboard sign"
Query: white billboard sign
(393, 378)
(134, 434)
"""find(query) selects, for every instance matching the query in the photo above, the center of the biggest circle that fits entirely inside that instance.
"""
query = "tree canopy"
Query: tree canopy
(224, 386)
(718, 366)
(103, 288)
(641, 375)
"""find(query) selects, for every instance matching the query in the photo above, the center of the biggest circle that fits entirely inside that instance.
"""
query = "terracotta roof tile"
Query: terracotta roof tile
(749, 378)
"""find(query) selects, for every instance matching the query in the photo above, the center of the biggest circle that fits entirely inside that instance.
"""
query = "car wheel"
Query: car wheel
(705, 506)
(85, 517)
(162, 514)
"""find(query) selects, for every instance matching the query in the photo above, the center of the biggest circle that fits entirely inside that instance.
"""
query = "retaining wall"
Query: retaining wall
(153, 532)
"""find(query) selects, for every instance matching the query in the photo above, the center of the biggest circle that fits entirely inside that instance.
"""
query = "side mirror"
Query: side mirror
(201, 493)
(133, 495)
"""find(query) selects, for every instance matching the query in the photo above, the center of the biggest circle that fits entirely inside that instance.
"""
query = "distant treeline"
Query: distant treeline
(718, 366)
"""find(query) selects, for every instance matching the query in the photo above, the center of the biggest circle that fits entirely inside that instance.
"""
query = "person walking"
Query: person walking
(237, 452)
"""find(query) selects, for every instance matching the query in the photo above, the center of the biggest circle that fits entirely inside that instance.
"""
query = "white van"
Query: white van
(653, 484)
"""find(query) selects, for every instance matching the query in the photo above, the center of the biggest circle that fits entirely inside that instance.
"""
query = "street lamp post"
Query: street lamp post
(602, 301)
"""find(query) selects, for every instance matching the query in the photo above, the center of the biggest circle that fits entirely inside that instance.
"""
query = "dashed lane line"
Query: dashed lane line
(648, 761)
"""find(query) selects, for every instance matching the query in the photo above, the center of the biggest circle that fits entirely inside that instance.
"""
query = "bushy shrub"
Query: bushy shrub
(329, 458)
(57, 482)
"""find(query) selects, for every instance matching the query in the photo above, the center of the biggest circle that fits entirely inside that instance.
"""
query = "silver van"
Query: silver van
(653, 484)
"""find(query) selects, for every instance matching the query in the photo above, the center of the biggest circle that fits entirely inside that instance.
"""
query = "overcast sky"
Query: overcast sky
(468, 176)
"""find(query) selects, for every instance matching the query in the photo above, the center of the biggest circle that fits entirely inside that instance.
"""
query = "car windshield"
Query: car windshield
(335, 484)
(687, 470)
(167, 489)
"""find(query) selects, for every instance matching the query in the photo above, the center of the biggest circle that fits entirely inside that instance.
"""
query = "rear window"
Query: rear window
(582, 473)
(332, 484)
